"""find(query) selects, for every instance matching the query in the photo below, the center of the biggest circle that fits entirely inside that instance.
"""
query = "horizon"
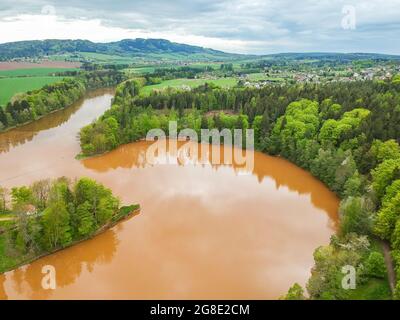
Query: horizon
(224, 152)
(247, 54)
(238, 26)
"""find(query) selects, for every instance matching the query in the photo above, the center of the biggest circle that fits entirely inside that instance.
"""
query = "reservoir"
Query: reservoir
(204, 231)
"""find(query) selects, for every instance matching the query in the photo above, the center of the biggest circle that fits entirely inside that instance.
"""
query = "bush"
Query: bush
(296, 292)
(375, 265)
(354, 216)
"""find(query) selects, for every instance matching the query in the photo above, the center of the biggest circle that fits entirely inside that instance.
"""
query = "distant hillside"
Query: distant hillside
(130, 48)
(156, 50)
(332, 56)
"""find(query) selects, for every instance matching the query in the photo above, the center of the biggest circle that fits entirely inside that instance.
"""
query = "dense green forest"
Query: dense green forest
(30, 106)
(127, 47)
(346, 134)
(49, 215)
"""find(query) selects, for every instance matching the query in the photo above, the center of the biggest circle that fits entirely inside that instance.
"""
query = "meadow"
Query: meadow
(33, 72)
(192, 83)
(11, 86)
(263, 77)
(106, 58)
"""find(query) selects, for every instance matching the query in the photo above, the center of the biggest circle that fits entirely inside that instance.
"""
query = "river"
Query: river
(204, 231)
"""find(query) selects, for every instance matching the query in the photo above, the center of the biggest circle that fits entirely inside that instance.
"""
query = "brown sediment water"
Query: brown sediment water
(204, 230)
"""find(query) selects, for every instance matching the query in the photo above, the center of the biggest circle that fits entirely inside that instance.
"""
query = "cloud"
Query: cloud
(257, 26)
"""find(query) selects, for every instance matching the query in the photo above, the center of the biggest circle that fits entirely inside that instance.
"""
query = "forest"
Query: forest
(345, 134)
(30, 106)
(127, 47)
(54, 214)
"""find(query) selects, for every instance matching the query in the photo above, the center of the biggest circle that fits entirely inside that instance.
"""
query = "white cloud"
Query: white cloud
(244, 26)
(39, 27)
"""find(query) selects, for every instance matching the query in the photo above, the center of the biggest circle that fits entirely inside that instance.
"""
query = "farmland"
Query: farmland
(20, 77)
(12, 65)
(11, 86)
(176, 83)
(33, 72)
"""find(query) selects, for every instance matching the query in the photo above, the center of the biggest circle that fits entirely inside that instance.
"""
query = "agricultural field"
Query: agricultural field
(33, 72)
(140, 70)
(262, 77)
(19, 77)
(105, 58)
(176, 83)
(11, 86)
(213, 65)
(150, 68)
(13, 65)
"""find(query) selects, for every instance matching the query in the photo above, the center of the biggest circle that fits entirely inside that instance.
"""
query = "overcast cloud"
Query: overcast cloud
(252, 26)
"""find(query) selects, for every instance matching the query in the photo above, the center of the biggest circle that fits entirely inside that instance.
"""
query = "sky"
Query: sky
(239, 26)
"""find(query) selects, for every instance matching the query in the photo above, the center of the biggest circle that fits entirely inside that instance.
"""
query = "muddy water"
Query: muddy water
(204, 231)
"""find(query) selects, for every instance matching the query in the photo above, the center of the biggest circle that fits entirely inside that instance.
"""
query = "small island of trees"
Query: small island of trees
(50, 215)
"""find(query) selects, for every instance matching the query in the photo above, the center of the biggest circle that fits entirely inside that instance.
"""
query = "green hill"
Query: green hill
(128, 48)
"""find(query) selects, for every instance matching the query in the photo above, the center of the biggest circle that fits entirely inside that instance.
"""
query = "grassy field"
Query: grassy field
(374, 287)
(176, 83)
(213, 65)
(32, 72)
(11, 86)
(262, 76)
(371, 290)
(106, 58)
(140, 70)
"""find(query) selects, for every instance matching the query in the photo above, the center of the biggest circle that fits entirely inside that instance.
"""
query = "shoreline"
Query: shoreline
(54, 111)
(103, 229)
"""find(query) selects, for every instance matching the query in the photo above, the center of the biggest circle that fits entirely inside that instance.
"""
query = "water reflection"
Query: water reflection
(205, 231)
(26, 133)
(84, 257)
(282, 172)
(3, 294)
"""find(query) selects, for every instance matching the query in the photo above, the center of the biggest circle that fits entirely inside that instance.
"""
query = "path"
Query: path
(6, 218)
(389, 265)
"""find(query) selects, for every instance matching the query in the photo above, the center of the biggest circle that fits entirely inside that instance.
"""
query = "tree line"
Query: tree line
(344, 134)
(263, 106)
(52, 214)
(32, 105)
(336, 151)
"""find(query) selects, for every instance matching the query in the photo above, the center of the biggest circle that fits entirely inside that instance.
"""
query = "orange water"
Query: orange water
(204, 231)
